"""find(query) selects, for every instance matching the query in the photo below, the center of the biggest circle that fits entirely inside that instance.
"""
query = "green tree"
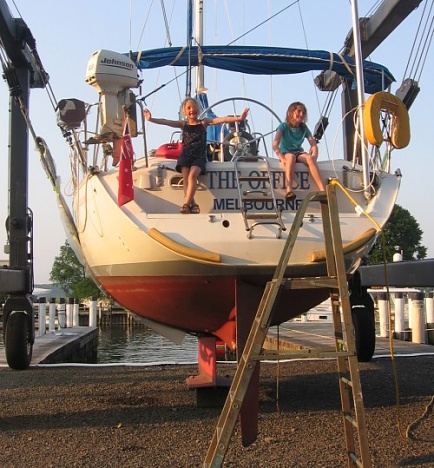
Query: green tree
(401, 232)
(70, 275)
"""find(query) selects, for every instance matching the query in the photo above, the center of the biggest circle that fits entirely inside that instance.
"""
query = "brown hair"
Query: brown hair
(289, 113)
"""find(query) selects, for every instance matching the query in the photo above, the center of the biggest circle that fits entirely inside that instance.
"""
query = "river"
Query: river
(122, 344)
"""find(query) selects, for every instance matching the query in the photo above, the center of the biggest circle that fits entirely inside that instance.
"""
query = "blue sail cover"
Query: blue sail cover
(262, 60)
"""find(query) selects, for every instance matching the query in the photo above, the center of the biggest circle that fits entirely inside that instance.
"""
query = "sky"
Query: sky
(67, 34)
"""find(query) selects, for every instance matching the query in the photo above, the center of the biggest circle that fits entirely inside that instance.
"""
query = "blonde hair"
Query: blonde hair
(189, 100)
(290, 113)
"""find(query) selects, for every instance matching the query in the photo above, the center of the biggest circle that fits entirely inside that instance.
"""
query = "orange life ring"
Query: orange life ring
(400, 128)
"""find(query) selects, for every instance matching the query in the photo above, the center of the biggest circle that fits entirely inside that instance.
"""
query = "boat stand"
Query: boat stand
(353, 412)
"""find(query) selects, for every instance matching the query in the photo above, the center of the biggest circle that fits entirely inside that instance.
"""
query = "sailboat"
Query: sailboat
(199, 273)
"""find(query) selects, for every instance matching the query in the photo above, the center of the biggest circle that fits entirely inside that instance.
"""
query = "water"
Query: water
(139, 345)
(120, 344)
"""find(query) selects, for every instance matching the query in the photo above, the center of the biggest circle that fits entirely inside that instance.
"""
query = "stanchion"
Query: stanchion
(61, 313)
(52, 315)
(92, 312)
(399, 315)
(409, 305)
(382, 311)
(418, 318)
(76, 313)
(69, 311)
(42, 316)
(429, 310)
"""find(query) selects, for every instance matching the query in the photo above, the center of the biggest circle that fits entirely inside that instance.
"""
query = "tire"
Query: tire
(362, 313)
(18, 346)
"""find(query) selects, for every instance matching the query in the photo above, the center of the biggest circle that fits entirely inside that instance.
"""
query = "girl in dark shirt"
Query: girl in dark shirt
(192, 160)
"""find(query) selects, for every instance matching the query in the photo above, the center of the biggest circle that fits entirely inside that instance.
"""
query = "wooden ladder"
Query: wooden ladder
(264, 193)
(345, 347)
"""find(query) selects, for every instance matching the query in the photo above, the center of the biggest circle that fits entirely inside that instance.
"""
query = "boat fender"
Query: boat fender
(400, 129)
(350, 247)
(169, 151)
(184, 250)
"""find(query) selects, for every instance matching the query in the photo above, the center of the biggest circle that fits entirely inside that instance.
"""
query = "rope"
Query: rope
(404, 434)
(278, 372)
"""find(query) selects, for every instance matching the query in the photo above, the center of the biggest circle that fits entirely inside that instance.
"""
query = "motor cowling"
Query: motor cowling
(112, 75)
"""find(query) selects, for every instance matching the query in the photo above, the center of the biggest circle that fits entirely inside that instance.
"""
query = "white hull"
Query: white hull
(170, 281)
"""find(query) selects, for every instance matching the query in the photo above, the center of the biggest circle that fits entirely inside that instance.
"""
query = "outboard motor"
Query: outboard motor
(113, 74)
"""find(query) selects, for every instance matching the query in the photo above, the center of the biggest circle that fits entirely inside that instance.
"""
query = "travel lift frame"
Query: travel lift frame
(22, 72)
(345, 342)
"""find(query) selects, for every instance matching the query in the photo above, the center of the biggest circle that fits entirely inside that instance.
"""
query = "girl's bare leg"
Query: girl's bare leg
(310, 162)
(289, 170)
(190, 188)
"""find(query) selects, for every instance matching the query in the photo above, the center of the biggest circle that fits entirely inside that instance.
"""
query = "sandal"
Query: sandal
(194, 208)
(185, 209)
(290, 196)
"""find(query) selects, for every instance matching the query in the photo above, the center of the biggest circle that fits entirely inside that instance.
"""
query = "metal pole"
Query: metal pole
(69, 311)
(92, 312)
(360, 94)
(399, 314)
(52, 315)
(382, 310)
(42, 316)
(418, 319)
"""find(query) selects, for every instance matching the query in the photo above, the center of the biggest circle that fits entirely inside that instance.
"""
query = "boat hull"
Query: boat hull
(185, 271)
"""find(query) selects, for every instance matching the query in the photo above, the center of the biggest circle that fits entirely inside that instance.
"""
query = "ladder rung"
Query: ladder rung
(347, 381)
(352, 408)
(256, 198)
(355, 459)
(308, 283)
(261, 216)
(263, 192)
(352, 420)
(248, 159)
(254, 178)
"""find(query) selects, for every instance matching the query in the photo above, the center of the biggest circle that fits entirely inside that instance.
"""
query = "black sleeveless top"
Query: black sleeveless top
(193, 147)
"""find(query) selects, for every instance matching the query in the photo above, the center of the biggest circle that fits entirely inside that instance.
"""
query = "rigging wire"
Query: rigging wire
(166, 24)
(264, 22)
(144, 25)
(168, 38)
(423, 38)
(324, 114)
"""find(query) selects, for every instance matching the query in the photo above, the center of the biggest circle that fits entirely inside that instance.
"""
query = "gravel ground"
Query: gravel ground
(146, 416)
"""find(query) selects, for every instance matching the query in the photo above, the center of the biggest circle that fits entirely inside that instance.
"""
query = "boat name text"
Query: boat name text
(227, 180)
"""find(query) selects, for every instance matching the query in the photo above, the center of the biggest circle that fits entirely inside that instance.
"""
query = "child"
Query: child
(192, 160)
(287, 145)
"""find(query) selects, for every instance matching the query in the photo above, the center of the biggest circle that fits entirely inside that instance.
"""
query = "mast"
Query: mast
(360, 94)
(198, 37)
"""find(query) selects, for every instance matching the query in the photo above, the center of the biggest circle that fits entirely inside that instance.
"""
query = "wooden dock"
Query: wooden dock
(79, 344)
(313, 335)
(75, 344)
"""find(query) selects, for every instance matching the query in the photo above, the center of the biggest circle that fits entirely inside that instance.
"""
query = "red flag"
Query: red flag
(126, 190)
